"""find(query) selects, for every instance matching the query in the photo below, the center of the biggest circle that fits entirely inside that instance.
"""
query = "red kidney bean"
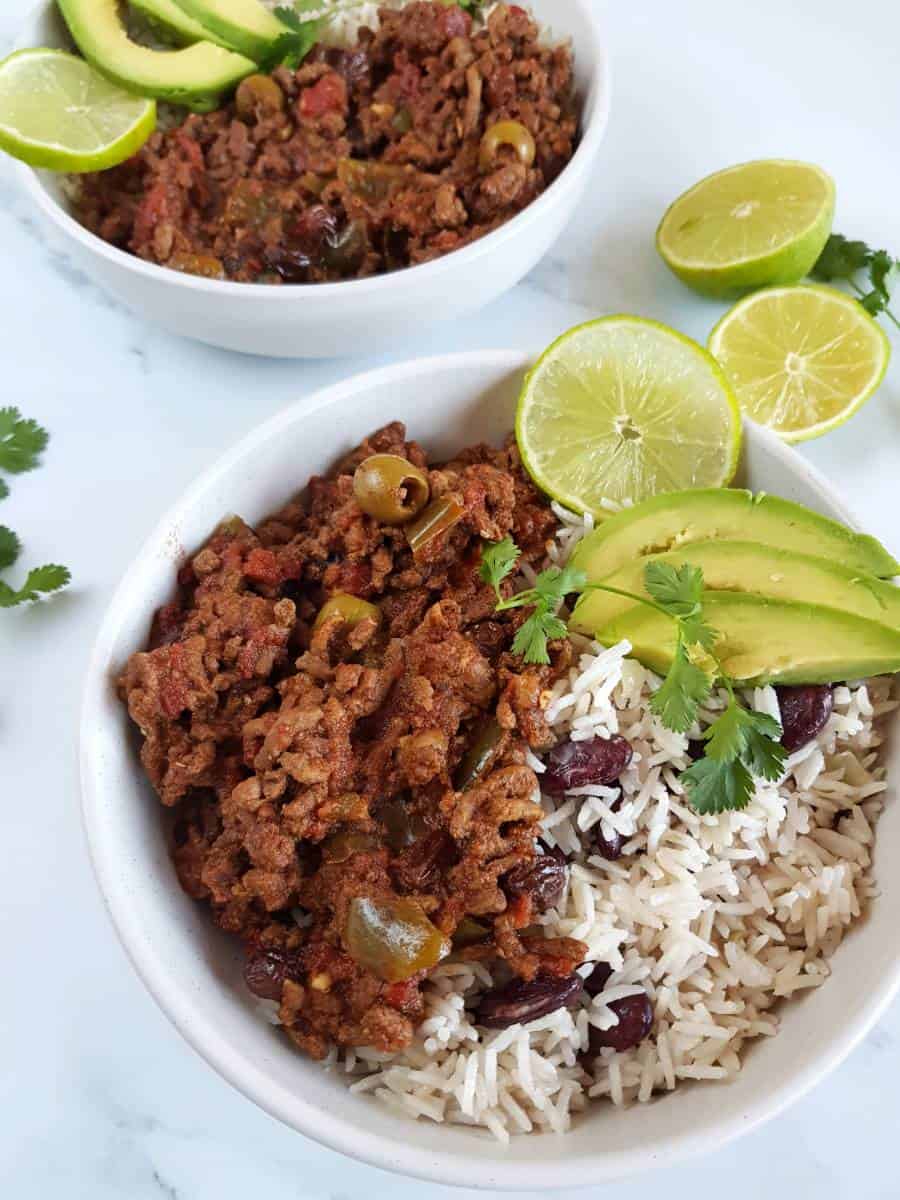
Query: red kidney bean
(635, 1015)
(598, 979)
(804, 713)
(266, 970)
(609, 848)
(520, 1001)
(576, 764)
(543, 879)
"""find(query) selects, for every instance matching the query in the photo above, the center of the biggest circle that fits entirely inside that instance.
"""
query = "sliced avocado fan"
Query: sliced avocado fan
(674, 519)
(733, 566)
(195, 76)
(768, 641)
(245, 25)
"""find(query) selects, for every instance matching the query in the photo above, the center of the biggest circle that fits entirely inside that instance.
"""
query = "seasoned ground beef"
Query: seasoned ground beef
(318, 771)
(362, 161)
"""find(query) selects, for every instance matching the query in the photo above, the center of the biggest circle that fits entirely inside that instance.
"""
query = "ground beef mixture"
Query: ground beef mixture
(421, 138)
(320, 772)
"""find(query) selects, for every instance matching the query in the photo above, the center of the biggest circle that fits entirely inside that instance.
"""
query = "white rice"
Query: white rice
(717, 918)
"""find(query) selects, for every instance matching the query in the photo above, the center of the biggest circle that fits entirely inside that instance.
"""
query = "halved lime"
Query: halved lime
(749, 226)
(801, 359)
(623, 408)
(57, 112)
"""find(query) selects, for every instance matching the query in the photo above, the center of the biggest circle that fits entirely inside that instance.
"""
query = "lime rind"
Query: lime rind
(99, 99)
(788, 254)
(864, 322)
(594, 495)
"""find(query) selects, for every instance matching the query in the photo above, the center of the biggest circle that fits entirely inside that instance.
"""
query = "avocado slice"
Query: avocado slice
(245, 25)
(195, 76)
(768, 641)
(165, 17)
(750, 567)
(675, 519)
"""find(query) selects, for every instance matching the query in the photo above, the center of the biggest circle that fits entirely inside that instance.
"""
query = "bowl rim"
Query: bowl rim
(594, 120)
(331, 1129)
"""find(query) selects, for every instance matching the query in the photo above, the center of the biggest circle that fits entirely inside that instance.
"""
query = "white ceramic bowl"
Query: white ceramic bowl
(358, 316)
(193, 971)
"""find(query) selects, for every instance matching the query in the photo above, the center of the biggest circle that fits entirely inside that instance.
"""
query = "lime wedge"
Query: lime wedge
(801, 359)
(749, 226)
(621, 409)
(57, 112)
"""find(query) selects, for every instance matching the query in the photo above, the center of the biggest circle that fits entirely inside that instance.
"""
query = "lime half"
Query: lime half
(749, 226)
(57, 112)
(801, 359)
(621, 409)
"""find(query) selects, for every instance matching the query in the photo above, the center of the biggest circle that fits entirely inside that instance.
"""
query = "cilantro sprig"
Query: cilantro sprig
(292, 46)
(845, 260)
(22, 441)
(738, 746)
(498, 560)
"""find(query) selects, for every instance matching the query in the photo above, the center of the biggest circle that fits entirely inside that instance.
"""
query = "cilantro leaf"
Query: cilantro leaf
(534, 633)
(554, 584)
(683, 691)
(678, 590)
(21, 442)
(290, 49)
(841, 259)
(881, 268)
(714, 786)
(698, 632)
(726, 738)
(290, 14)
(498, 559)
(764, 754)
(10, 547)
(40, 582)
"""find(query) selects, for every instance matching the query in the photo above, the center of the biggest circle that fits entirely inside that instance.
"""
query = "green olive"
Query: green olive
(349, 608)
(258, 96)
(390, 489)
(507, 133)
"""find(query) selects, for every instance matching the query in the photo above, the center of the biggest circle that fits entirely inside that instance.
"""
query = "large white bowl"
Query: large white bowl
(358, 316)
(193, 971)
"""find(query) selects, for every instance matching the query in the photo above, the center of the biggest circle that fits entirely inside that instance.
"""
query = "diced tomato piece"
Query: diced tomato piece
(328, 94)
(151, 210)
(520, 911)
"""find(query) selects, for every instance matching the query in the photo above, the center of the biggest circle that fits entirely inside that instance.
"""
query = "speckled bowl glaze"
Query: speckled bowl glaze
(194, 972)
(359, 316)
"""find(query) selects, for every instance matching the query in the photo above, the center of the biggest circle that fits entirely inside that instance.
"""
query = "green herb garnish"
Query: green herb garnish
(21, 444)
(739, 744)
(291, 47)
(843, 259)
(498, 560)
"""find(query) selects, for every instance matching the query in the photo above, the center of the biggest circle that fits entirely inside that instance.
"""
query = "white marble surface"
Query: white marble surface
(100, 1098)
